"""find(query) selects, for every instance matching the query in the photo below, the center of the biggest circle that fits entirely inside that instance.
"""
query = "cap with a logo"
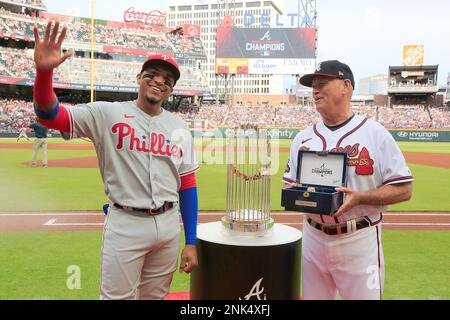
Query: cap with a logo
(330, 69)
(163, 60)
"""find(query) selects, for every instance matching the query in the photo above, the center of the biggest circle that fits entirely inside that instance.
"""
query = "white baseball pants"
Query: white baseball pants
(351, 264)
(139, 254)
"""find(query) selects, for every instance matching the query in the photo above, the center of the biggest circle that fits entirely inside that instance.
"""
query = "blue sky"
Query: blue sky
(367, 35)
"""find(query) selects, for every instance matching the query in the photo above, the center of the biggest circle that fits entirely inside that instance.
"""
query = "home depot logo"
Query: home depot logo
(413, 55)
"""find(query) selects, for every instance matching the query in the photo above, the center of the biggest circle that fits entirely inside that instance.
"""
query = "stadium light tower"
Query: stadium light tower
(225, 9)
(307, 15)
(307, 18)
(307, 12)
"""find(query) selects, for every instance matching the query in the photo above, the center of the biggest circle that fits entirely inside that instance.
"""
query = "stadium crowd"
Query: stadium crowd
(17, 63)
(297, 116)
(107, 72)
(21, 27)
(14, 114)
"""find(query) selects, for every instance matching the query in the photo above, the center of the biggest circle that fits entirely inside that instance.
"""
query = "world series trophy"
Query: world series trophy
(248, 151)
(246, 256)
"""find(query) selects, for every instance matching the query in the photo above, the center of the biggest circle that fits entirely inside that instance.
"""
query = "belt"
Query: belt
(334, 230)
(152, 212)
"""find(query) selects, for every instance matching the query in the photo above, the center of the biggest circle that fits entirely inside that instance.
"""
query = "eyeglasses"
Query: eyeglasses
(152, 75)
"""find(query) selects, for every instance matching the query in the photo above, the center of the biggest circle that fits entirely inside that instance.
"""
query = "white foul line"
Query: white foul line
(202, 213)
(52, 222)
(414, 224)
(49, 214)
(417, 214)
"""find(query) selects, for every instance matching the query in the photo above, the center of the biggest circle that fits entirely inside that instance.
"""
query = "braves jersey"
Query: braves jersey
(374, 159)
(141, 157)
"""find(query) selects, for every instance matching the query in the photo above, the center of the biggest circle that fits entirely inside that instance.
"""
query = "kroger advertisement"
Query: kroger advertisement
(281, 66)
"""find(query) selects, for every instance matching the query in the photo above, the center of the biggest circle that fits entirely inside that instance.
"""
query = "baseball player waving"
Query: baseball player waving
(147, 163)
(342, 253)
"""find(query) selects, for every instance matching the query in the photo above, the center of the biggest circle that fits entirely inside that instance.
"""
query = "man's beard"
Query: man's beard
(152, 100)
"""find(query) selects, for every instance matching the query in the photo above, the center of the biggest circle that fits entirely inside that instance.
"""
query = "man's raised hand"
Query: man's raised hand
(47, 52)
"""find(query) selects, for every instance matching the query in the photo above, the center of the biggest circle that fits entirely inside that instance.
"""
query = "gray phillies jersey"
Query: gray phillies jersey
(141, 158)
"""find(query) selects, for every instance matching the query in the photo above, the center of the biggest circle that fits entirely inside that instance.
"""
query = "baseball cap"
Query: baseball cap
(331, 69)
(163, 60)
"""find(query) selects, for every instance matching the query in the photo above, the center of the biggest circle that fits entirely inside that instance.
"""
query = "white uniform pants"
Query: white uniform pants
(39, 143)
(349, 264)
(139, 254)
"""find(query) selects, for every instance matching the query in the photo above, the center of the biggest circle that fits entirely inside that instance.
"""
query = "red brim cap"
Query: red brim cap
(165, 61)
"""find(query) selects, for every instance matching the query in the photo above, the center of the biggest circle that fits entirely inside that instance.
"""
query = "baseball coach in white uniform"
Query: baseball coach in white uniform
(342, 253)
(147, 163)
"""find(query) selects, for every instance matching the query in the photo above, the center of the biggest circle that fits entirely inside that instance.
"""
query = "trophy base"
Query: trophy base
(247, 228)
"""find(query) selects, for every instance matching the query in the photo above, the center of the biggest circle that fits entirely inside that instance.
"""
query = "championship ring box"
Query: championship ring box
(318, 174)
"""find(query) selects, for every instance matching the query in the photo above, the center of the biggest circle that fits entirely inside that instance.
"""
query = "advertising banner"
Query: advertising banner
(421, 135)
(281, 66)
(138, 52)
(97, 87)
(265, 50)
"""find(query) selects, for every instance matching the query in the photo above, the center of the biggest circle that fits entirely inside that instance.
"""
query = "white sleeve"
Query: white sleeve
(86, 120)
(290, 173)
(189, 163)
(393, 166)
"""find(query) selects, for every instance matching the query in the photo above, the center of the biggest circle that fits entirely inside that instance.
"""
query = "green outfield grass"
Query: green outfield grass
(49, 141)
(34, 189)
(37, 189)
(425, 147)
(417, 264)
(430, 192)
(35, 265)
(42, 261)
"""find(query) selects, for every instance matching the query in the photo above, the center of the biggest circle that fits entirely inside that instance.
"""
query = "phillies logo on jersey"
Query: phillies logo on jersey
(156, 144)
(360, 159)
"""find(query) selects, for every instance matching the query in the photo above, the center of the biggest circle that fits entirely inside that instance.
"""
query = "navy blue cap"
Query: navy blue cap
(330, 69)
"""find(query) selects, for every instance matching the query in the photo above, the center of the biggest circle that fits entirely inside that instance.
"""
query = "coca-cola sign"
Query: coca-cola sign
(154, 17)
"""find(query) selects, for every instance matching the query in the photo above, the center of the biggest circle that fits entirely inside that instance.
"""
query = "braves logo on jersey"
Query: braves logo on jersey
(156, 143)
(360, 159)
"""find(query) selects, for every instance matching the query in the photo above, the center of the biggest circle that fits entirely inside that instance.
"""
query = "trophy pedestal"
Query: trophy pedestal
(247, 267)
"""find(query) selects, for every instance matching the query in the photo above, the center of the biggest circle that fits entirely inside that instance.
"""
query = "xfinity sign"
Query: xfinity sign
(287, 20)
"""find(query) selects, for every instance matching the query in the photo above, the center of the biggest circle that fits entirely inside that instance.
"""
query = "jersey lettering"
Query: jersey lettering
(360, 159)
(351, 151)
(158, 144)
